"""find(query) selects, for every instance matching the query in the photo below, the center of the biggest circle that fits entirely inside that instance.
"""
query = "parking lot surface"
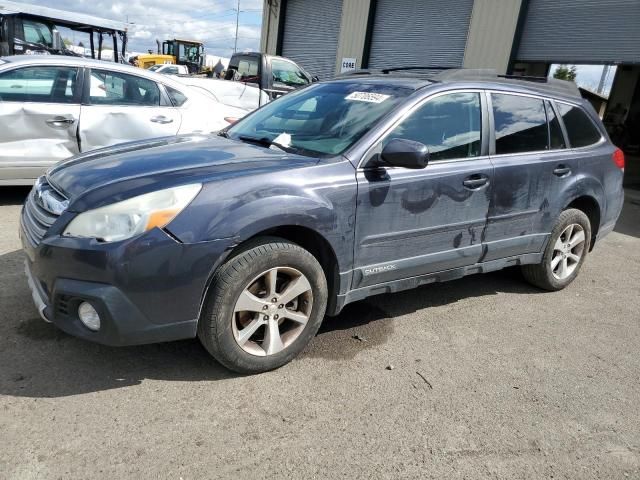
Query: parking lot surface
(484, 377)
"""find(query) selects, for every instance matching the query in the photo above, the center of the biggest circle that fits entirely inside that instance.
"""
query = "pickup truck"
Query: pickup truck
(252, 80)
(271, 75)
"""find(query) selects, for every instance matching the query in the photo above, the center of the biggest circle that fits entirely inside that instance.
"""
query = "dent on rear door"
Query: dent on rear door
(105, 125)
(30, 139)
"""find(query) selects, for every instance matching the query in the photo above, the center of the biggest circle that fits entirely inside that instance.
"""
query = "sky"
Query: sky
(210, 21)
(588, 76)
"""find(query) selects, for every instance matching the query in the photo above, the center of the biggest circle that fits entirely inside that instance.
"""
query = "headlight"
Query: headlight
(134, 216)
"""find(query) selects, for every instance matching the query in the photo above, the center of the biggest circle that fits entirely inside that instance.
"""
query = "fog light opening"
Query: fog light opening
(88, 316)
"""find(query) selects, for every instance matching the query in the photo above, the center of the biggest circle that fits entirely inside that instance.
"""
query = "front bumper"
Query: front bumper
(147, 289)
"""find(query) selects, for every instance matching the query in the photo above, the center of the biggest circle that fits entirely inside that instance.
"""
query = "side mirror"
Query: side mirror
(405, 153)
(315, 79)
(56, 41)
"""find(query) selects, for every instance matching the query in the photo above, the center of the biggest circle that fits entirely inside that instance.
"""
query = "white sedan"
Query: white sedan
(54, 107)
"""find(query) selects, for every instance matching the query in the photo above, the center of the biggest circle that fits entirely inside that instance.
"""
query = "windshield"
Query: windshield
(323, 119)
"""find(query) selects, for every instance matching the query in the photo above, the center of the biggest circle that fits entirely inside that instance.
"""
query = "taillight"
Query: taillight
(231, 120)
(618, 158)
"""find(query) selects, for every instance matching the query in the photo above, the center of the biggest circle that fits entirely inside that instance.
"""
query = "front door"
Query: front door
(121, 108)
(40, 109)
(414, 222)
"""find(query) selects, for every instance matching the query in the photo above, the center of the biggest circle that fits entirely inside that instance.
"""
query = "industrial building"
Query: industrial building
(512, 36)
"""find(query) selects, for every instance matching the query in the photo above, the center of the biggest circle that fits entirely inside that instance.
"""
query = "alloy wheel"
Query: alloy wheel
(568, 251)
(272, 311)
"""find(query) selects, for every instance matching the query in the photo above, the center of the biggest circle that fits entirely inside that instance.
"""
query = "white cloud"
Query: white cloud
(211, 22)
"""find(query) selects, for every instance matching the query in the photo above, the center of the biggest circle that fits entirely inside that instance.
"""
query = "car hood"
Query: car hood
(115, 173)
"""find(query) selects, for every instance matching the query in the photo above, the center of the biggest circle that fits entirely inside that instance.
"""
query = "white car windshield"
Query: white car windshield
(324, 119)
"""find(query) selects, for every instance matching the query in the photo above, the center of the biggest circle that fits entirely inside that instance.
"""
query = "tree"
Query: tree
(566, 73)
(67, 42)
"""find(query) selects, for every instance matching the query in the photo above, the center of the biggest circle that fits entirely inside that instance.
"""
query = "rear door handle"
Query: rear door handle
(475, 181)
(161, 119)
(60, 122)
(561, 171)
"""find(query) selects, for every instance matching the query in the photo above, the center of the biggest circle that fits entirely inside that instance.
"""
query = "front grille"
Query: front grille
(42, 207)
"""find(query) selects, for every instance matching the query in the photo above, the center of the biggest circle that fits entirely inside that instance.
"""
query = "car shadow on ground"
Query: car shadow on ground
(38, 360)
(629, 221)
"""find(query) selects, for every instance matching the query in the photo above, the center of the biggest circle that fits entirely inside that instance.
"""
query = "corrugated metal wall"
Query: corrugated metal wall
(581, 31)
(353, 31)
(311, 31)
(493, 25)
(420, 32)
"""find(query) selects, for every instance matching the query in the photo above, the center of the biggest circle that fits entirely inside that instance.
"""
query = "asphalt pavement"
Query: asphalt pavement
(483, 377)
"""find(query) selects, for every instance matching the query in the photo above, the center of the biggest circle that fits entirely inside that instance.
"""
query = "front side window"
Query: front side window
(520, 124)
(115, 88)
(39, 84)
(580, 129)
(37, 32)
(323, 119)
(449, 125)
(287, 73)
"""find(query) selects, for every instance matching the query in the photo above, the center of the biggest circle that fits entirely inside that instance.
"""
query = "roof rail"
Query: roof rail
(486, 74)
(426, 67)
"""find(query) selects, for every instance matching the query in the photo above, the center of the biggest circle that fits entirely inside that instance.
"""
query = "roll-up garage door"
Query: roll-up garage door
(311, 31)
(419, 33)
(581, 31)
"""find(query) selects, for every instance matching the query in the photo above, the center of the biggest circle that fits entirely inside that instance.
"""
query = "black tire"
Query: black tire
(215, 328)
(541, 275)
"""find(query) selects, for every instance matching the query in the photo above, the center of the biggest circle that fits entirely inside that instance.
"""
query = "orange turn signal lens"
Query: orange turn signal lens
(161, 218)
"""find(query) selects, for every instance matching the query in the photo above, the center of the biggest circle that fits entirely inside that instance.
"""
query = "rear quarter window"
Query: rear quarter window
(580, 128)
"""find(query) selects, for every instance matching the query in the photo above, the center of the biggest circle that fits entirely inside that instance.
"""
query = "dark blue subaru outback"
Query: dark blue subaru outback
(363, 185)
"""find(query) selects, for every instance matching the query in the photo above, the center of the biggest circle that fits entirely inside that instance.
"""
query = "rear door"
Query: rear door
(120, 107)
(532, 170)
(39, 108)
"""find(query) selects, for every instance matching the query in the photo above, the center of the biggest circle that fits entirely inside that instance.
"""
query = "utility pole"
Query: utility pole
(603, 79)
(235, 45)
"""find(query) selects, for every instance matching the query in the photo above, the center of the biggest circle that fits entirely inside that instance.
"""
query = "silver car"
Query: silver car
(54, 107)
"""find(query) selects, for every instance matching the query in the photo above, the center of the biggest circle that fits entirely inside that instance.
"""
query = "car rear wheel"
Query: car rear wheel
(264, 305)
(565, 253)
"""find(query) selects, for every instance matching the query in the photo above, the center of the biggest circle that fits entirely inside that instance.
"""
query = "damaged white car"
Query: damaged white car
(54, 107)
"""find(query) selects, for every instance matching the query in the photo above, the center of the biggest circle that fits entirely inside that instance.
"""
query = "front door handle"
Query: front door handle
(161, 119)
(561, 171)
(475, 181)
(60, 122)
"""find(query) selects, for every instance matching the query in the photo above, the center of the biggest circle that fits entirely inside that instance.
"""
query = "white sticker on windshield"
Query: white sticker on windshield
(367, 97)
(283, 139)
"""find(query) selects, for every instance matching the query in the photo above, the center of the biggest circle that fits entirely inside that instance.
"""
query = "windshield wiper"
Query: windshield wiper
(264, 142)
(223, 134)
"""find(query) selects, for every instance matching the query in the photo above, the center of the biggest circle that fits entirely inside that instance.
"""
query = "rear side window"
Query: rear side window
(556, 138)
(115, 88)
(39, 84)
(520, 124)
(581, 130)
(177, 98)
(448, 124)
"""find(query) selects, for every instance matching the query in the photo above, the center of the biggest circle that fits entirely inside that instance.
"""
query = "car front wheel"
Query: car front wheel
(264, 305)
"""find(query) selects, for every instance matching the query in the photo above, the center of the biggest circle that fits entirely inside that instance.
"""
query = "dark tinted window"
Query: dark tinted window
(115, 88)
(449, 125)
(39, 84)
(580, 128)
(520, 124)
(556, 139)
(177, 98)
